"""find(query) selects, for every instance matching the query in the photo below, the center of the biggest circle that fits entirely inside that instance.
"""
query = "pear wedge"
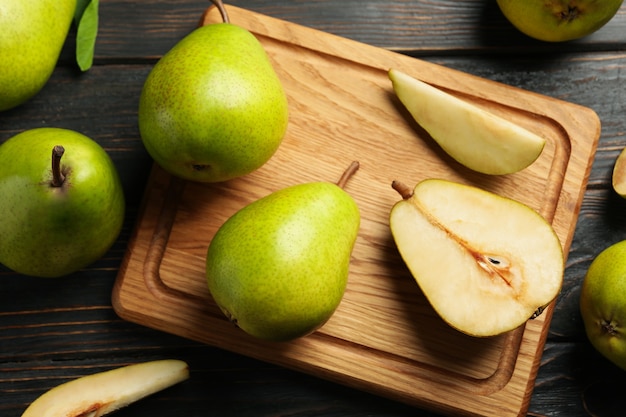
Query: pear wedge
(486, 263)
(618, 179)
(474, 137)
(99, 394)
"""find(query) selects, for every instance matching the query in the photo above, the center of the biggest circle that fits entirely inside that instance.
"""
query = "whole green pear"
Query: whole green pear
(603, 303)
(62, 204)
(559, 21)
(278, 268)
(213, 107)
(33, 34)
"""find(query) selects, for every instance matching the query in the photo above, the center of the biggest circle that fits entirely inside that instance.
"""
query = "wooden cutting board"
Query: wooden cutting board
(384, 338)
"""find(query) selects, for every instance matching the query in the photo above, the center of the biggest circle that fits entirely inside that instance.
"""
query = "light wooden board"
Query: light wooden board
(384, 338)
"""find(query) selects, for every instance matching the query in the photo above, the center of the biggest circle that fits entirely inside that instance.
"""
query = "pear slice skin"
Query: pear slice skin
(101, 393)
(474, 137)
(486, 263)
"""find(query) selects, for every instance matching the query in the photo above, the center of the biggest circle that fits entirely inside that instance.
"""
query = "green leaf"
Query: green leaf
(86, 20)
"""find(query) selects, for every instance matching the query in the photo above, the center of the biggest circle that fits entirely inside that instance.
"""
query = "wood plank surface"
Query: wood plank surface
(412, 27)
(54, 330)
(372, 341)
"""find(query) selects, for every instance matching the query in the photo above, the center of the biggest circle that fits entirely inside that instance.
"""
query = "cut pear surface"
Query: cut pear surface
(474, 137)
(99, 394)
(619, 174)
(485, 263)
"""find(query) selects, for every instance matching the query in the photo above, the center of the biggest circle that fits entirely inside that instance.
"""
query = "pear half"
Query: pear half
(99, 394)
(474, 137)
(486, 263)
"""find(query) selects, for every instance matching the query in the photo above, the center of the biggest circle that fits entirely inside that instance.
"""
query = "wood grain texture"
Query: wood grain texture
(373, 342)
(412, 27)
(54, 330)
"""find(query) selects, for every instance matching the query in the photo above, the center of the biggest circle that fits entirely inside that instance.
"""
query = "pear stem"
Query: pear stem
(220, 6)
(405, 191)
(348, 173)
(57, 176)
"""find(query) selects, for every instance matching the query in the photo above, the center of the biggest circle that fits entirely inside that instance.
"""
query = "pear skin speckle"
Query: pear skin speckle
(213, 108)
(52, 231)
(33, 34)
(279, 266)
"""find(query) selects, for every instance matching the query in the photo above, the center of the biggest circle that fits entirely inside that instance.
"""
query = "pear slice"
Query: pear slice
(619, 174)
(99, 394)
(486, 263)
(474, 137)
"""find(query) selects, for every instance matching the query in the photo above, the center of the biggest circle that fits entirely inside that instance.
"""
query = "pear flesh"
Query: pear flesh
(474, 137)
(618, 179)
(101, 393)
(278, 268)
(486, 263)
(33, 34)
(213, 108)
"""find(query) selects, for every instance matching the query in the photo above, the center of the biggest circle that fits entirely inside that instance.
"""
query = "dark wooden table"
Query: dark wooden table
(52, 330)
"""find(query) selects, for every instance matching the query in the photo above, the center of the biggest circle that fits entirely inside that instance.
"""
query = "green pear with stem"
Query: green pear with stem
(62, 204)
(33, 34)
(603, 303)
(278, 268)
(213, 108)
(486, 263)
(107, 391)
(474, 137)
(559, 21)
